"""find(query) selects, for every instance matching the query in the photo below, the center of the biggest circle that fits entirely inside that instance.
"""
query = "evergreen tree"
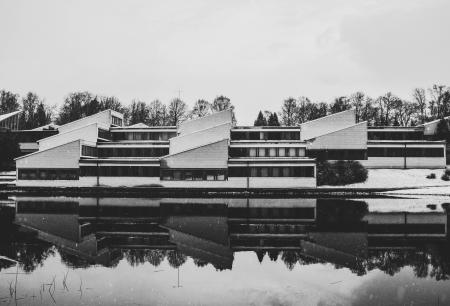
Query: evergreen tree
(273, 120)
(261, 120)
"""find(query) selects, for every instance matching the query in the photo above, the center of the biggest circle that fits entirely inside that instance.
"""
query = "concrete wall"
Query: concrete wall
(103, 118)
(399, 162)
(213, 155)
(233, 182)
(88, 133)
(190, 141)
(353, 137)
(205, 122)
(325, 125)
(64, 156)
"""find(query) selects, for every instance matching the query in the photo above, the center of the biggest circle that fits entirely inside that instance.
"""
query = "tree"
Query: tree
(138, 113)
(34, 112)
(261, 120)
(92, 107)
(8, 102)
(201, 108)
(303, 105)
(177, 111)
(72, 108)
(386, 105)
(222, 103)
(340, 104)
(273, 120)
(114, 104)
(158, 115)
(442, 130)
(421, 101)
(439, 103)
(288, 112)
(357, 101)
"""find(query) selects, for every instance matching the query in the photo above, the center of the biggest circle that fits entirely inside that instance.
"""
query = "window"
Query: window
(116, 121)
(299, 171)
(48, 174)
(193, 174)
(89, 151)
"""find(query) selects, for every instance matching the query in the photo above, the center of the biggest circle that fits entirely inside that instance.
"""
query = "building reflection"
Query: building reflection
(103, 231)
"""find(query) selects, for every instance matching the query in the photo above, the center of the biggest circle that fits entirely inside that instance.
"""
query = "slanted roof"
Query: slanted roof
(8, 115)
(46, 127)
(434, 121)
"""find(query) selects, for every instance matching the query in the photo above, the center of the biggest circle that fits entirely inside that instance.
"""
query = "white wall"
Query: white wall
(103, 118)
(88, 133)
(353, 137)
(189, 141)
(325, 125)
(205, 122)
(213, 155)
(64, 156)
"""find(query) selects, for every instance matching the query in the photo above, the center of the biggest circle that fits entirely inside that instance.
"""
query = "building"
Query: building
(210, 152)
(10, 121)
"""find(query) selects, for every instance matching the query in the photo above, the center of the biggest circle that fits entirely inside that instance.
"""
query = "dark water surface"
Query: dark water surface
(109, 251)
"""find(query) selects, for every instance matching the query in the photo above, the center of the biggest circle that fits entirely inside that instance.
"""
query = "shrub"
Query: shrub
(431, 176)
(447, 171)
(340, 173)
(445, 177)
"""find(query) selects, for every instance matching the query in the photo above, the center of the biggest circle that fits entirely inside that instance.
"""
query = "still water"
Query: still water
(111, 251)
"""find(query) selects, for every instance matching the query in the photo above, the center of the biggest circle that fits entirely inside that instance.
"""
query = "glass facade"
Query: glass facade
(402, 152)
(132, 152)
(266, 152)
(48, 174)
(338, 154)
(298, 171)
(395, 135)
(265, 135)
(194, 175)
(117, 121)
(148, 135)
(143, 171)
(89, 151)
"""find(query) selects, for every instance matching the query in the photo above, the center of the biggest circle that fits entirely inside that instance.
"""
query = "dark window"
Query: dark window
(302, 171)
(89, 151)
(116, 121)
(48, 174)
(193, 174)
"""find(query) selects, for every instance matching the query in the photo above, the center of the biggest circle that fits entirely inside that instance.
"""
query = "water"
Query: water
(90, 251)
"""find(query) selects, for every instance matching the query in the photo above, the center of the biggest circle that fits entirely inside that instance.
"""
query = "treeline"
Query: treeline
(386, 110)
(77, 105)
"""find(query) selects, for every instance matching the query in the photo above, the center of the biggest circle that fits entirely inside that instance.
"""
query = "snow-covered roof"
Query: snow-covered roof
(138, 125)
(6, 116)
(46, 127)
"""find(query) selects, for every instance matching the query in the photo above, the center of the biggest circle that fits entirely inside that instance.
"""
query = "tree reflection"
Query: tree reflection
(176, 258)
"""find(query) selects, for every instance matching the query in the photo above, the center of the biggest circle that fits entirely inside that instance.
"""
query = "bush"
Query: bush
(340, 173)
(431, 176)
(445, 177)
(447, 171)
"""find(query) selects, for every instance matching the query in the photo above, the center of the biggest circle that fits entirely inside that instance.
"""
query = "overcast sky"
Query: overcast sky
(255, 52)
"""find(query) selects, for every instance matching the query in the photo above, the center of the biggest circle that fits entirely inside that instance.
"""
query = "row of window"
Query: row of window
(267, 152)
(385, 135)
(143, 171)
(402, 152)
(132, 152)
(338, 154)
(247, 135)
(302, 171)
(48, 174)
(193, 175)
(104, 134)
(163, 136)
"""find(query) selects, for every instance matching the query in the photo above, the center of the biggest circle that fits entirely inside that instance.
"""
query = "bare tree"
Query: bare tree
(139, 112)
(200, 109)
(356, 101)
(420, 99)
(288, 112)
(158, 115)
(9, 102)
(222, 103)
(439, 102)
(177, 111)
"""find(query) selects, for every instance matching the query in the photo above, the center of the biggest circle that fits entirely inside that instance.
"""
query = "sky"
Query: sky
(255, 52)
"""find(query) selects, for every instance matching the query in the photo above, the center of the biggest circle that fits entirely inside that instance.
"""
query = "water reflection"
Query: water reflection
(92, 231)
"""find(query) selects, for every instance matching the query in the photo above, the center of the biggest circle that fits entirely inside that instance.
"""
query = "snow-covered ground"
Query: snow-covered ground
(399, 178)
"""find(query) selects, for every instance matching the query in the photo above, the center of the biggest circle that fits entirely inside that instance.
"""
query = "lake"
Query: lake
(230, 251)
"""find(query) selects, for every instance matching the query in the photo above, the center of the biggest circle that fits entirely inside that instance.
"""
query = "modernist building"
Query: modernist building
(210, 152)
(10, 121)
